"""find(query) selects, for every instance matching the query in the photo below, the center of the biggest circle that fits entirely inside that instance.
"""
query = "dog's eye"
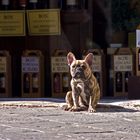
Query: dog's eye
(73, 66)
(83, 66)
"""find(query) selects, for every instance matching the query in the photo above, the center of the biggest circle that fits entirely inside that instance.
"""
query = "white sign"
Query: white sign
(138, 38)
(96, 67)
(96, 63)
(30, 64)
(59, 64)
(123, 63)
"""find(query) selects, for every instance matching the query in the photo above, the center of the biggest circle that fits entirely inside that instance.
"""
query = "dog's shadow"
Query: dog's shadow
(109, 108)
(114, 108)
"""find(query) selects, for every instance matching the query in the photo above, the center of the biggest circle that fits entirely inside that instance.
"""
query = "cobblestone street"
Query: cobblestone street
(110, 122)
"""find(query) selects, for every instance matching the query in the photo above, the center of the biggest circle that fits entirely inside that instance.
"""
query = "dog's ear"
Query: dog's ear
(70, 58)
(89, 59)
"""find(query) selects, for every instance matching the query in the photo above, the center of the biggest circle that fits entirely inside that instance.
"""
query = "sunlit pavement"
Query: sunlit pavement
(59, 102)
(44, 119)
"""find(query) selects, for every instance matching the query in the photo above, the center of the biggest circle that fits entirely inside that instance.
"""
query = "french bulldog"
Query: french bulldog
(85, 92)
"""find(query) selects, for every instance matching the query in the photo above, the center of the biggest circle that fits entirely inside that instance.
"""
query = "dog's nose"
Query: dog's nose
(79, 69)
(79, 72)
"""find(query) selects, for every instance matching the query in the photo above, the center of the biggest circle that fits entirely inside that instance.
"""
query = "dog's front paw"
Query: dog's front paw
(74, 108)
(91, 110)
(66, 107)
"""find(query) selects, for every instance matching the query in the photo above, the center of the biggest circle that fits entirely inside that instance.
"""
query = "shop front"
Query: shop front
(49, 26)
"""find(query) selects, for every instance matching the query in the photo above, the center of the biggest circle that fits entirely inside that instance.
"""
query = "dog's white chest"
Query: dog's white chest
(81, 86)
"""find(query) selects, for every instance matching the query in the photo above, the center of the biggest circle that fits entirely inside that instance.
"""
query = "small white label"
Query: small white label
(59, 64)
(30, 64)
(123, 63)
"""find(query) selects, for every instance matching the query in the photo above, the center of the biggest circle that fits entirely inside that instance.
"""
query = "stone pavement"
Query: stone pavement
(44, 119)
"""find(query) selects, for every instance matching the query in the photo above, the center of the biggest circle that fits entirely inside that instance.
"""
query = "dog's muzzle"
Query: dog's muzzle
(79, 73)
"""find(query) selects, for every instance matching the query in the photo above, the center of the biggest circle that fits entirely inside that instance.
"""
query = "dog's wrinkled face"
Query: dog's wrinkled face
(80, 69)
